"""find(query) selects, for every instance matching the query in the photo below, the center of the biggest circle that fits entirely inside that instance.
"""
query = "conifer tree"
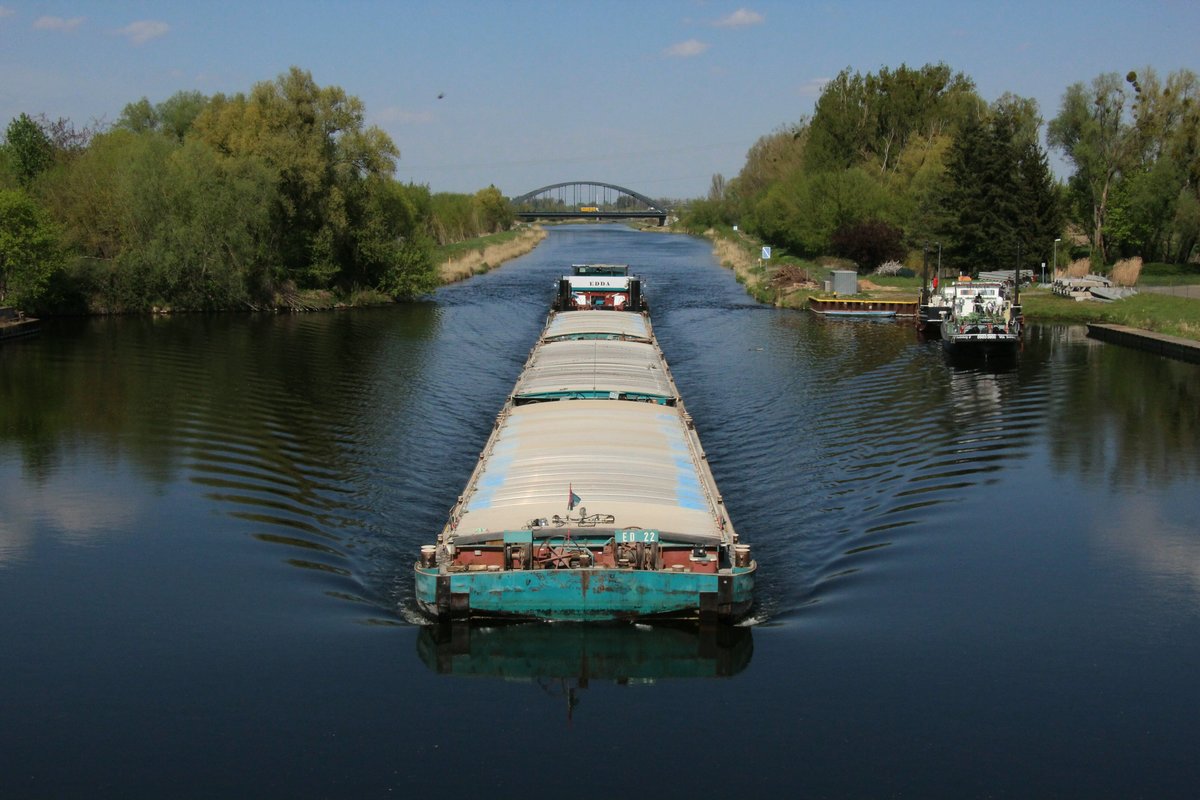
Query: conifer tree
(1003, 201)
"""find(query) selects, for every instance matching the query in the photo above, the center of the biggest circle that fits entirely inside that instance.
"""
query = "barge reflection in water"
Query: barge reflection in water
(620, 653)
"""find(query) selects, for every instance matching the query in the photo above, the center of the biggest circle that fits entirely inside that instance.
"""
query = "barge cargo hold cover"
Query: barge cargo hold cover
(592, 499)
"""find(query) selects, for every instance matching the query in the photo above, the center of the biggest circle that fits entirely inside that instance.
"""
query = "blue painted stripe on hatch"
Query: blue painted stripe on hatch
(489, 482)
(690, 497)
(688, 492)
(497, 471)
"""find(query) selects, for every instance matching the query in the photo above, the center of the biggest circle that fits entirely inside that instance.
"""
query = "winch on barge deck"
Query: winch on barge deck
(592, 499)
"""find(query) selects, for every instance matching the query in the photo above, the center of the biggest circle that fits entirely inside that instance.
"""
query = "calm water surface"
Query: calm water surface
(974, 582)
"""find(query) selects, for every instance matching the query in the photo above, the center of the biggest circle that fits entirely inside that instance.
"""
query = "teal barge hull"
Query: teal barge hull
(586, 595)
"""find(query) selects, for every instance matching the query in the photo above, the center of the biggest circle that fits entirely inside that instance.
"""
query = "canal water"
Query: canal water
(974, 582)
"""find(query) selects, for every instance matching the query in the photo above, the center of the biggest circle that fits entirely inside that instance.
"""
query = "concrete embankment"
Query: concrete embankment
(489, 256)
(1161, 343)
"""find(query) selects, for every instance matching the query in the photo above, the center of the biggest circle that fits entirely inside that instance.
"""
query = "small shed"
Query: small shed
(845, 281)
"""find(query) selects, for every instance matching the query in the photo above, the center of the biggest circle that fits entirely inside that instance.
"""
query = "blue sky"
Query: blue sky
(655, 95)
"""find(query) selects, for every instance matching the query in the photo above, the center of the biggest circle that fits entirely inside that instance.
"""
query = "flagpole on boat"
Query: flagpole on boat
(925, 273)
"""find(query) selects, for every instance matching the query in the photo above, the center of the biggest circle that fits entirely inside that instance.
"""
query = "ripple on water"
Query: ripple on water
(898, 444)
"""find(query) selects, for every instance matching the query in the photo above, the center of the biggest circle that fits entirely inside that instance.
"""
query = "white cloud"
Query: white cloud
(692, 47)
(73, 513)
(740, 19)
(5, 11)
(57, 23)
(144, 30)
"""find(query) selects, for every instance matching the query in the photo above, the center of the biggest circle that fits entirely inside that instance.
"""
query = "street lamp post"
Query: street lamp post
(1054, 267)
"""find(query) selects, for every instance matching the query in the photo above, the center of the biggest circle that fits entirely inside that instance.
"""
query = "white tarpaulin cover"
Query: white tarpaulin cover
(595, 365)
(582, 323)
(635, 461)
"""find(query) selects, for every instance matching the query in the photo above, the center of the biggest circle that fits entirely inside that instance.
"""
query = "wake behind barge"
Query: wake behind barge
(592, 499)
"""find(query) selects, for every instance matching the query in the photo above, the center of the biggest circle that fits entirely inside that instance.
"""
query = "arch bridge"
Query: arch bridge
(586, 200)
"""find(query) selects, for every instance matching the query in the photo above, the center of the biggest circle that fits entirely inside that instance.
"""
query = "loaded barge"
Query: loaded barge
(984, 320)
(592, 499)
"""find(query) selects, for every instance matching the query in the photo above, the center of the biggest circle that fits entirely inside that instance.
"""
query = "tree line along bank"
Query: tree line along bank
(255, 200)
(893, 162)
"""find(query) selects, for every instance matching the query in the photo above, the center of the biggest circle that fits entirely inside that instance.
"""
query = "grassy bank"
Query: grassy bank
(1156, 274)
(1164, 313)
(455, 262)
(742, 254)
(461, 260)
(1178, 316)
(774, 280)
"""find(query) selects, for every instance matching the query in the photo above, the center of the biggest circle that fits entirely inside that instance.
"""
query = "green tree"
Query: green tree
(868, 243)
(1186, 226)
(1022, 114)
(868, 120)
(772, 159)
(982, 200)
(110, 197)
(493, 211)
(1143, 209)
(801, 213)
(178, 112)
(29, 150)
(1094, 132)
(716, 209)
(139, 117)
(29, 249)
(394, 251)
(314, 140)
(1166, 172)
(208, 248)
(1002, 201)
(1040, 213)
(451, 217)
(918, 185)
(172, 117)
